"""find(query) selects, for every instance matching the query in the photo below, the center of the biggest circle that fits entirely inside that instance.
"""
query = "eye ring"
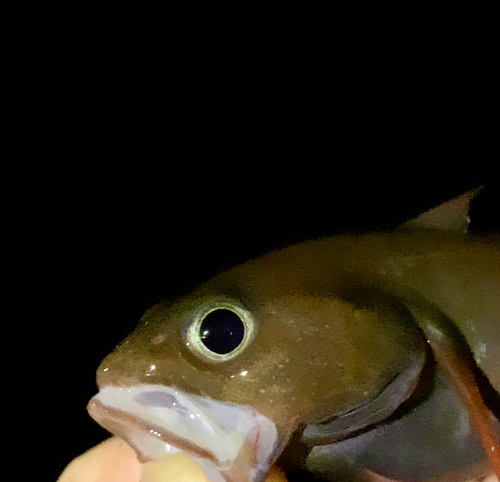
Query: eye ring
(194, 340)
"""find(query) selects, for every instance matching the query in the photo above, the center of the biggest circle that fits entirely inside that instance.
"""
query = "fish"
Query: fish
(355, 357)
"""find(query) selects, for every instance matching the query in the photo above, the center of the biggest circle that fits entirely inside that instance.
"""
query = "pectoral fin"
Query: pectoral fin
(431, 440)
(455, 358)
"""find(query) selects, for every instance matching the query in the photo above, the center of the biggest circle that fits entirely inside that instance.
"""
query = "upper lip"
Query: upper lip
(112, 418)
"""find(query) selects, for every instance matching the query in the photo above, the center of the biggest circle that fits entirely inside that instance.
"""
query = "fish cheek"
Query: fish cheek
(278, 372)
(335, 354)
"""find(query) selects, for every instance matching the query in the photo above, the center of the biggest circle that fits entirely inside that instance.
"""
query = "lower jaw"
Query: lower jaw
(228, 442)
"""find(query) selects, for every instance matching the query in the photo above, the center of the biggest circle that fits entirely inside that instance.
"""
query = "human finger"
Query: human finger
(110, 461)
(114, 461)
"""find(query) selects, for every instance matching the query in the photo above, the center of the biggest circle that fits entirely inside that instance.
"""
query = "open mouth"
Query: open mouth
(230, 442)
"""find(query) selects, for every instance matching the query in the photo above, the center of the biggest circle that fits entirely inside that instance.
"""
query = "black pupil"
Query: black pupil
(222, 331)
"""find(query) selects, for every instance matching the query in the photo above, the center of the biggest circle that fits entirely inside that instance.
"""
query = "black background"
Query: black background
(108, 246)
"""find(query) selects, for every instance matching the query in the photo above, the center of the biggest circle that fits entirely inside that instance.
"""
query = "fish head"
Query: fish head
(229, 372)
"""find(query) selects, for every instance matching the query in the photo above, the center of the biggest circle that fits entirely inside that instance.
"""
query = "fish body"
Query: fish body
(318, 342)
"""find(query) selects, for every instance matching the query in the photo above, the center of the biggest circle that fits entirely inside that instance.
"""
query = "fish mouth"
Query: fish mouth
(230, 442)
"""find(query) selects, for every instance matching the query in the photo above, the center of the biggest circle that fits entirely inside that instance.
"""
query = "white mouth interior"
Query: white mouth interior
(231, 442)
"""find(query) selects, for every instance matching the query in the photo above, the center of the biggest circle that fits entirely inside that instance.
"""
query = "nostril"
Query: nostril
(158, 399)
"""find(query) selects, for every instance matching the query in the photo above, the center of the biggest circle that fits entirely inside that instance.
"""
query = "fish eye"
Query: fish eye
(220, 331)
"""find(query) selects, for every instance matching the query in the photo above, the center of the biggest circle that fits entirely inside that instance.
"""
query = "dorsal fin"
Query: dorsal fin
(451, 215)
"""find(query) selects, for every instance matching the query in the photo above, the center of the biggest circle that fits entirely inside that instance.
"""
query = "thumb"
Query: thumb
(114, 461)
(181, 468)
(110, 461)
